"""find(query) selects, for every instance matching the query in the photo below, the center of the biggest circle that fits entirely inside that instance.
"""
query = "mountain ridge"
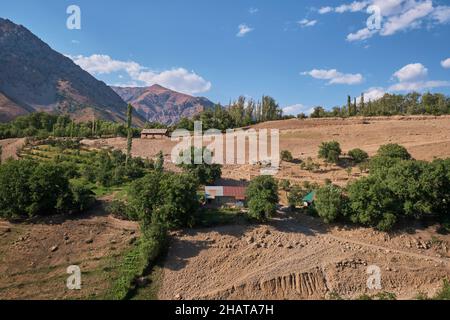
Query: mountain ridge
(159, 104)
(34, 77)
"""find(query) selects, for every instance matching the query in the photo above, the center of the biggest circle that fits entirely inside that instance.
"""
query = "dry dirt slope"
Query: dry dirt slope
(300, 258)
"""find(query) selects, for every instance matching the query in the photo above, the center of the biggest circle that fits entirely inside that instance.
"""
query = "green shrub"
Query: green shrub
(393, 150)
(330, 151)
(286, 156)
(118, 209)
(444, 293)
(330, 203)
(358, 155)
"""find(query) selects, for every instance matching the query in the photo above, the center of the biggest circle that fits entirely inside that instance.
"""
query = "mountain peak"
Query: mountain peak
(157, 103)
(34, 77)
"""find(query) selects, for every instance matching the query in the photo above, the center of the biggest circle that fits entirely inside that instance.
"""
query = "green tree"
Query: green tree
(330, 151)
(159, 163)
(296, 195)
(262, 195)
(129, 132)
(206, 172)
(169, 196)
(393, 150)
(358, 155)
(372, 203)
(330, 203)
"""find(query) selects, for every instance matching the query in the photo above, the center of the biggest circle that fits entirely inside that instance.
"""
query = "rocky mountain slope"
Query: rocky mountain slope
(34, 77)
(160, 104)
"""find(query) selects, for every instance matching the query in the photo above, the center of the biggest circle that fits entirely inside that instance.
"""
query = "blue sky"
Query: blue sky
(303, 53)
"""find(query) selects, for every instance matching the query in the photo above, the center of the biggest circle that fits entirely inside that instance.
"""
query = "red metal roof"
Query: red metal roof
(237, 192)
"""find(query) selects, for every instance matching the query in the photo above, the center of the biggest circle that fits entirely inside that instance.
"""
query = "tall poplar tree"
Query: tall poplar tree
(130, 132)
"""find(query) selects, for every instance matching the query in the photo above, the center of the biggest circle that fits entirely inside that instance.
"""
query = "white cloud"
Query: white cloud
(373, 94)
(362, 34)
(178, 79)
(409, 18)
(445, 63)
(325, 10)
(296, 109)
(335, 77)
(307, 23)
(243, 30)
(253, 10)
(419, 85)
(411, 72)
(441, 14)
(412, 78)
(352, 7)
(397, 15)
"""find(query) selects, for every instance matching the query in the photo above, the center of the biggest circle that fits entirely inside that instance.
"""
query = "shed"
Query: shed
(222, 195)
(152, 133)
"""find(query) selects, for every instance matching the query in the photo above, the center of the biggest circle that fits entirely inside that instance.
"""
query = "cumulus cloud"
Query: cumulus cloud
(412, 78)
(409, 18)
(296, 109)
(178, 79)
(396, 15)
(307, 23)
(373, 94)
(253, 10)
(446, 63)
(411, 72)
(335, 77)
(243, 30)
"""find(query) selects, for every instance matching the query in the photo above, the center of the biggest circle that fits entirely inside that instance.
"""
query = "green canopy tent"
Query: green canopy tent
(309, 198)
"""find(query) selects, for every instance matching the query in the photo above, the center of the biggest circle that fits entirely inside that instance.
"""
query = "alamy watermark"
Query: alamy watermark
(74, 280)
(73, 22)
(374, 280)
(374, 21)
(234, 147)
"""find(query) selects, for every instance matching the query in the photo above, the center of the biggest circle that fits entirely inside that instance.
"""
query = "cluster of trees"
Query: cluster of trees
(397, 187)
(43, 125)
(30, 188)
(168, 197)
(390, 104)
(205, 172)
(240, 113)
(110, 168)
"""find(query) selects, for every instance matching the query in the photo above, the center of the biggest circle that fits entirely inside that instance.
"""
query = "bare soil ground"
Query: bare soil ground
(9, 148)
(34, 256)
(300, 258)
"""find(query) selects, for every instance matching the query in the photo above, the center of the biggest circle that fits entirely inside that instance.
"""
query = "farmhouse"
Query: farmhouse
(223, 195)
(152, 133)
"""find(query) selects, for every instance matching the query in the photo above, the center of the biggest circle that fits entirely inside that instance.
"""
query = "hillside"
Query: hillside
(160, 104)
(34, 77)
